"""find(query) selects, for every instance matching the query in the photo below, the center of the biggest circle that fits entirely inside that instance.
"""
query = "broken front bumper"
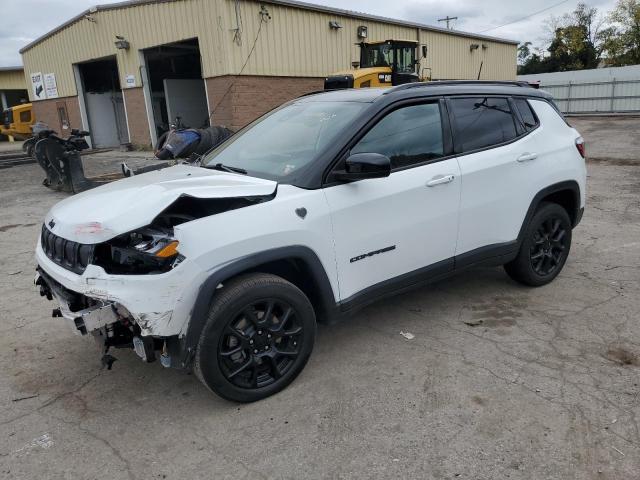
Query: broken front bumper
(94, 317)
(160, 304)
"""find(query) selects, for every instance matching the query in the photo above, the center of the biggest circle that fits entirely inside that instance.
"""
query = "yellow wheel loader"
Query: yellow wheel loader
(17, 121)
(382, 64)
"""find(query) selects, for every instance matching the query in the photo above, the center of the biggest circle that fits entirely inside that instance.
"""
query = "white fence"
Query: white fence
(606, 96)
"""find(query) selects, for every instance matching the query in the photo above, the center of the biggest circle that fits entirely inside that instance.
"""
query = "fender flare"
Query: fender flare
(570, 185)
(200, 310)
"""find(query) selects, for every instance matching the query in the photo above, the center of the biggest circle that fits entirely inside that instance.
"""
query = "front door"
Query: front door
(392, 229)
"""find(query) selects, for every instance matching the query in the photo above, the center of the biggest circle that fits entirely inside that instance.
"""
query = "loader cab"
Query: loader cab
(399, 56)
(382, 64)
(17, 121)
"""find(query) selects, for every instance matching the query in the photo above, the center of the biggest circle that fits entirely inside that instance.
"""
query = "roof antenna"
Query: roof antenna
(480, 70)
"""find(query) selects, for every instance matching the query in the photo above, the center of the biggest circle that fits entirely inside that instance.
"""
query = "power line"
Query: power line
(263, 19)
(524, 18)
(447, 19)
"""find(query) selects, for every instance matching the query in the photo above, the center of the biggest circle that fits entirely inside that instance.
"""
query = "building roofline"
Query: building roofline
(394, 21)
(289, 3)
(12, 69)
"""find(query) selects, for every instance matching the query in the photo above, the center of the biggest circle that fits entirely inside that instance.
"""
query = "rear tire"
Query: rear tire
(545, 247)
(258, 337)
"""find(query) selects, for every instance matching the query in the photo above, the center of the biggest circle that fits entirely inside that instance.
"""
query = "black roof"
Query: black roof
(428, 89)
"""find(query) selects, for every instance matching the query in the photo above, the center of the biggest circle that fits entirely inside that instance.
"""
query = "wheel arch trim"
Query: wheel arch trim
(207, 290)
(568, 185)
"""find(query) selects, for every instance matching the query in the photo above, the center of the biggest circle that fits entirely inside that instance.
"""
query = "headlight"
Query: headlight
(144, 251)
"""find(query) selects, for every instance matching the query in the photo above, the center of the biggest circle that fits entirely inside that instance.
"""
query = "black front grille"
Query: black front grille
(73, 256)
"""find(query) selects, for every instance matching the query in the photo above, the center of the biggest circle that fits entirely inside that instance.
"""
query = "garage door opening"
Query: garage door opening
(11, 98)
(177, 89)
(107, 119)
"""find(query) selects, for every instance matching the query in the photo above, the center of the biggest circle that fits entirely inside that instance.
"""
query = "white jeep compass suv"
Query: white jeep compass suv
(323, 205)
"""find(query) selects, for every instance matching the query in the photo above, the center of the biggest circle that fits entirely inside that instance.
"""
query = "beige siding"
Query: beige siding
(299, 42)
(143, 26)
(295, 42)
(450, 57)
(12, 80)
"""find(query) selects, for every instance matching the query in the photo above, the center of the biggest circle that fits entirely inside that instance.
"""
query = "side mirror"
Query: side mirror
(424, 51)
(360, 166)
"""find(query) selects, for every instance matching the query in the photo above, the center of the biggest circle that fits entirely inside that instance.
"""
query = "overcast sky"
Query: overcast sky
(25, 20)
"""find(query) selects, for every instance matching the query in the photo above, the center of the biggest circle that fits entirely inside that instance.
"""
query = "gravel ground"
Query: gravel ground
(610, 139)
(500, 381)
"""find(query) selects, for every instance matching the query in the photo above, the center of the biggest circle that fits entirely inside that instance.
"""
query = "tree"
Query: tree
(524, 52)
(575, 43)
(621, 41)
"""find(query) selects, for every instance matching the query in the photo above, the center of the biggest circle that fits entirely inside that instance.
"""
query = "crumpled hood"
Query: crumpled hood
(102, 213)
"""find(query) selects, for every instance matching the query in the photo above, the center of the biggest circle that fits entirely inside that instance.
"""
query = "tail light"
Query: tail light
(580, 146)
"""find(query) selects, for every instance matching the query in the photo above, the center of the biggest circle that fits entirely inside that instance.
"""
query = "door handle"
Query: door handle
(527, 157)
(440, 180)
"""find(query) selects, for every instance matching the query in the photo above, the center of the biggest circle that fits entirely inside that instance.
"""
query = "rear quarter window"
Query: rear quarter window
(482, 122)
(526, 113)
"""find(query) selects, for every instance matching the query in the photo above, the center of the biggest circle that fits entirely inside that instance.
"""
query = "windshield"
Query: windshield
(282, 143)
(381, 55)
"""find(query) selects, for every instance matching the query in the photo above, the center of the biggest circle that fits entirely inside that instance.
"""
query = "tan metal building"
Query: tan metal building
(126, 70)
(13, 87)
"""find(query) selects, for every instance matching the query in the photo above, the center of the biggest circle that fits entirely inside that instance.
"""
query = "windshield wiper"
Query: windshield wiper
(227, 168)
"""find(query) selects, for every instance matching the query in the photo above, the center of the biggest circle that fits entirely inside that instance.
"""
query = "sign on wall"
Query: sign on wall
(50, 85)
(130, 81)
(37, 86)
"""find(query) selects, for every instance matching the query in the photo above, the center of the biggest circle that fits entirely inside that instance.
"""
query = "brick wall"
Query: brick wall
(137, 117)
(250, 96)
(47, 111)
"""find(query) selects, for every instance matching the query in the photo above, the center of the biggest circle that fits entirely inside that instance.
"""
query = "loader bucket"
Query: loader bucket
(63, 167)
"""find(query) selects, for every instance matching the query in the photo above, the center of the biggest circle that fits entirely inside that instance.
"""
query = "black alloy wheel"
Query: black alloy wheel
(544, 246)
(549, 244)
(260, 344)
(257, 338)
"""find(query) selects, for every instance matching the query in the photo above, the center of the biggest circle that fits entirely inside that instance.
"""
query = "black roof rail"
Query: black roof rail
(439, 83)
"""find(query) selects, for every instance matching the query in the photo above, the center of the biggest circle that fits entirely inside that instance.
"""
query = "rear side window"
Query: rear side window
(482, 122)
(408, 136)
(526, 113)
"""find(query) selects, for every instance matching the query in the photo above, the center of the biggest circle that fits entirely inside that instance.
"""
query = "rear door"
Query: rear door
(389, 230)
(497, 165)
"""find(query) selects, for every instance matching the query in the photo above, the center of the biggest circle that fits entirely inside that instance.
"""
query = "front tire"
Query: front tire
(258, 337)
(545, 247)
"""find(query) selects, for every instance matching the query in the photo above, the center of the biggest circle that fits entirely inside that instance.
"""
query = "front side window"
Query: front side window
(408, 135)
(281, 143)
(482, 122)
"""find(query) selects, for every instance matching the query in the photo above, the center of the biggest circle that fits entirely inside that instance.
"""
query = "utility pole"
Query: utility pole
(447, 19)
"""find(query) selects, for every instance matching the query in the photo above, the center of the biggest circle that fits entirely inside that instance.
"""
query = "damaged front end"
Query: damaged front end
(113, 259)
(109, 322)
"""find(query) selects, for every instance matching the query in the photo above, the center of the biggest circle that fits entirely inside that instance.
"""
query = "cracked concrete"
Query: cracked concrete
(546, 384)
